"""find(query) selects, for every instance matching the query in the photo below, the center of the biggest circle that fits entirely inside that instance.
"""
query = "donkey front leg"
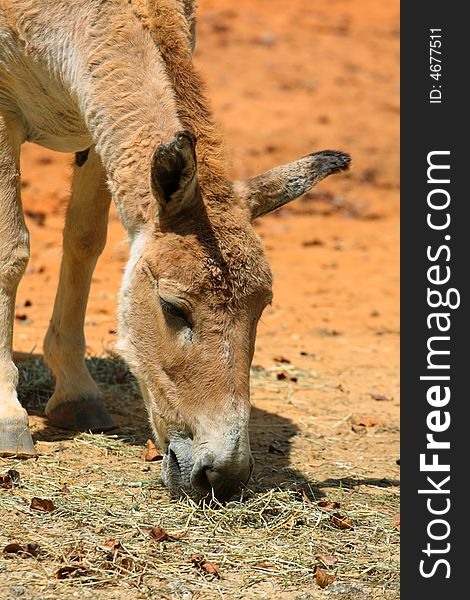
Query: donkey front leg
(76, 403)
(15, 438)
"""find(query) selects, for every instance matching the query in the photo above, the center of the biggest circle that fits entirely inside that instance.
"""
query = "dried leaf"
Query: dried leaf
(152, 453)
(158, 534)
(116, 546)
(13, 548)
(9, 479)
(177, 536)
(204, 565)
(396, 522)
(5, 482)
(42, 504)
(328, 504)
(33, 549)
(68, 571)
(341, 522)
(322, 578)
(197, 559)
(328, 561)
(161, 535)
(210, 568)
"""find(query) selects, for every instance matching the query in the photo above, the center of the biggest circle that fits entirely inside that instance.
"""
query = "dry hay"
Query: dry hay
(284, 541)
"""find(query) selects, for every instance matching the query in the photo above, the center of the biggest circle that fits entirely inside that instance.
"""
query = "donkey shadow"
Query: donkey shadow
(271, 434)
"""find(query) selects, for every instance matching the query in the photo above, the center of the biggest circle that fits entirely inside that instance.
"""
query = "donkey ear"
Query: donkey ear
(282, 184)
(173, 173)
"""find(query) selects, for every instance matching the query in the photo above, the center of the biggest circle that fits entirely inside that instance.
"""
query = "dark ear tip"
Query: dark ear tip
(185, 138)
(332, 161)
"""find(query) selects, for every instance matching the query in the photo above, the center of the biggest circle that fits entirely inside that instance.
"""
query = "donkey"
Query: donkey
(113, 81)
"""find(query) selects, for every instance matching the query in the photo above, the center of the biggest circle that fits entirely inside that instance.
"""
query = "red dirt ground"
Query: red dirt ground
(285, 79)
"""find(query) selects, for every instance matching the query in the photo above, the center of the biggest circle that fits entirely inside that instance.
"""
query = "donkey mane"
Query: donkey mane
(167, 22)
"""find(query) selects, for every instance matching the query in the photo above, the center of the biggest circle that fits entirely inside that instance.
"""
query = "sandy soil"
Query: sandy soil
(285, 79)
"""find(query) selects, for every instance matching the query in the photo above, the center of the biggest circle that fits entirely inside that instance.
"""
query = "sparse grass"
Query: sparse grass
(106, 499)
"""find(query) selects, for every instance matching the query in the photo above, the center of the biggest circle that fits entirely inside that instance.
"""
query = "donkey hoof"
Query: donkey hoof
(16, 440)
(84, 414)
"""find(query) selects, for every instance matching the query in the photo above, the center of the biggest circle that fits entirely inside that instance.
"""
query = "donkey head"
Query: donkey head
(194, 290)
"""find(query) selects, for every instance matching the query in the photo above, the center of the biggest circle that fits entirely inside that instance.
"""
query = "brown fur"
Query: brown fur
(118, 77)
(169, 28)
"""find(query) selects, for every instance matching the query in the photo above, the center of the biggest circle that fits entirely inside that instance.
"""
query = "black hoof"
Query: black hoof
(84, 414)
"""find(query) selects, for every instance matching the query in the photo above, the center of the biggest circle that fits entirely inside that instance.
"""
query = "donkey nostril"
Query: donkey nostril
(225, 485)
(222, 482)
(215, 479)
(208, 481)
(199, 479)
(174, 460)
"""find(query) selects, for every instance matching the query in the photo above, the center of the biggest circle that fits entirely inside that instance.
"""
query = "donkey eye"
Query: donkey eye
(174, 311)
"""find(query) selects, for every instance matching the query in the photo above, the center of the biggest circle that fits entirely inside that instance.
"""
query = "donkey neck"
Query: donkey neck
(129, 107)
(142, 88)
